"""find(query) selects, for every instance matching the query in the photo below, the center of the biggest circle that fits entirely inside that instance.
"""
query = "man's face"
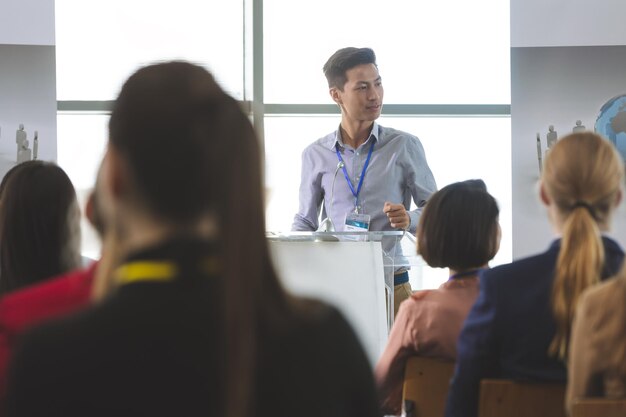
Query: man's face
(362, 96)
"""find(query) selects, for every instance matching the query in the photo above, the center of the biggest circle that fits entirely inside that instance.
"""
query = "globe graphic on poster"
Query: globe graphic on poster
(611, 123)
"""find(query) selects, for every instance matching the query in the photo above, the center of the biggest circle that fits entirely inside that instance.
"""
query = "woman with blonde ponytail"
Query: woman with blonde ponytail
(519, 327)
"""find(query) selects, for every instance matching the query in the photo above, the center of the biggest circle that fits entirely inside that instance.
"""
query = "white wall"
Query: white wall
(27, 22)
(567, 22)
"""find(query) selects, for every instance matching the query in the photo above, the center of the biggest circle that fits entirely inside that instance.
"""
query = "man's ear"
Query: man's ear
(335, 94)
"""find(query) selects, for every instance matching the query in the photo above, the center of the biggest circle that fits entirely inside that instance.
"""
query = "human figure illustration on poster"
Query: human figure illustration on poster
(24, 153)
(551, 137)
(580, 127)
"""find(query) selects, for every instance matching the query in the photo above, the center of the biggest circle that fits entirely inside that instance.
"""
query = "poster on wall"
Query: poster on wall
(567, 60)
(27, 82)
(556, 90)
(27, 104)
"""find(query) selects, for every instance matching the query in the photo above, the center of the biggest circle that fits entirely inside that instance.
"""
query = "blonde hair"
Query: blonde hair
(617, 347)
(582, 176)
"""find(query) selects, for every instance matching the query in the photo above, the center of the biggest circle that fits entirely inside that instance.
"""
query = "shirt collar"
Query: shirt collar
(608, 242)
(338, 141)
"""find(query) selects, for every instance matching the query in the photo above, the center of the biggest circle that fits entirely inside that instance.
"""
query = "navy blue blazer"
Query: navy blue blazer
(510, 327)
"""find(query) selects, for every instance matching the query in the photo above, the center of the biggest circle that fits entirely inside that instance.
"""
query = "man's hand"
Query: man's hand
(397, 215)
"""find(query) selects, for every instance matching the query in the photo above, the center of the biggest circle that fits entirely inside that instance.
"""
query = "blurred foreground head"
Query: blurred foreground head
(183, 156)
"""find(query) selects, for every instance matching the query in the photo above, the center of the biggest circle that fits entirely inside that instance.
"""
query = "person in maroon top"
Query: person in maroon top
(39, 225)
(63, 294)
(458, 230)
(24, 308)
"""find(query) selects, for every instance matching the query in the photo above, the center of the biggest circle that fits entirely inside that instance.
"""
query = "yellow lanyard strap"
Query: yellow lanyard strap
(146, 271)
(160, 271)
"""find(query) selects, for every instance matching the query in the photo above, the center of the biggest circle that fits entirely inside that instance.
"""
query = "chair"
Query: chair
(506, 398)
(598, 407)
(426, 382)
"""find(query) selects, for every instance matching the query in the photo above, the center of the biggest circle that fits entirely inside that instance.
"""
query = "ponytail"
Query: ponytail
(578, 266)
(582, 176)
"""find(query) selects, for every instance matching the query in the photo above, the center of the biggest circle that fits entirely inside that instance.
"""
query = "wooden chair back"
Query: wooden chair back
(426, 382)
(598, 407)
(506, 398)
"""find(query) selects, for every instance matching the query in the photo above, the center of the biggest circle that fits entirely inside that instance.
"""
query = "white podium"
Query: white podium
(347, 270)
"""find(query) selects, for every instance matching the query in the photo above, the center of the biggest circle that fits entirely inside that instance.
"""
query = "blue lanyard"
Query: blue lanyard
(345, 173)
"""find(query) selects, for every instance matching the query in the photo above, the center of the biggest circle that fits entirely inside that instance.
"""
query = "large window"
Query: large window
(457, 148)
(99, 43)
(81, 143)
(429, 52)
(445, 68)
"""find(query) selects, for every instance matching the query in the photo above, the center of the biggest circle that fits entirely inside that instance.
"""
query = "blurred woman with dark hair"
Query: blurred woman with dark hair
(53, 297)
(458, 230)
(195, 321)
(39, 225)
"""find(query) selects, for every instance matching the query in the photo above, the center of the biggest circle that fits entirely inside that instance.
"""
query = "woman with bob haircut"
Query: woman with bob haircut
(519, 327)
(458, 230)
(196, 322)
(39, 225)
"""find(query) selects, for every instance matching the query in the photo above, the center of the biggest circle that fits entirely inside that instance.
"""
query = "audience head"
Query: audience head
(39, 225)
(343, 60)
(183, 154)
(459, 227)
(582, 184)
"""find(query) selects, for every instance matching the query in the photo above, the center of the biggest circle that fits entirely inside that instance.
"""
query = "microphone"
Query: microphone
(326, 224)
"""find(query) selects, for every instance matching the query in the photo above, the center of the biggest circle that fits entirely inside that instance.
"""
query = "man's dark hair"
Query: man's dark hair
(458, 228)
(343, 60)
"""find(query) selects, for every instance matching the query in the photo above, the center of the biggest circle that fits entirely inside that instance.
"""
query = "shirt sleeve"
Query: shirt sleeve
(389, 370)
(311, 196)
(477, 352)
(420, 181)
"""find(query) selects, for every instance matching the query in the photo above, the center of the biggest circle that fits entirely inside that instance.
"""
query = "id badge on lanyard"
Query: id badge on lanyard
(356, 221)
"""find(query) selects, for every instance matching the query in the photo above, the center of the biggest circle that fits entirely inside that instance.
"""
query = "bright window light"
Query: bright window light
(100, 43)
(431, 52)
